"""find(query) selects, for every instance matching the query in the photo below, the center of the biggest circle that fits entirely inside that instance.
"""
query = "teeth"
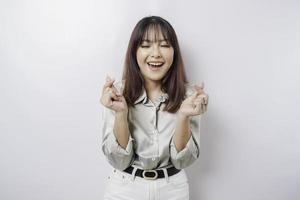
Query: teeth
(155, 64)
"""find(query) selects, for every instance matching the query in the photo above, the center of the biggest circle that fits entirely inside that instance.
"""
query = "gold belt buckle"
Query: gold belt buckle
(150, 178)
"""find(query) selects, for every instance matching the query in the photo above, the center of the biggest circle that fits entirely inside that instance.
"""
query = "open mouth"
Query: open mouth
(155, 65)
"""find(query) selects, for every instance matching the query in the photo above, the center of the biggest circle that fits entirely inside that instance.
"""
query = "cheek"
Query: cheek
(169, 56)
(141, 56)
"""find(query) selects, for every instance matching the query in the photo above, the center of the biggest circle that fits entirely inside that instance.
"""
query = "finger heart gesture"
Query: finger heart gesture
(195, 104)
(112, 98)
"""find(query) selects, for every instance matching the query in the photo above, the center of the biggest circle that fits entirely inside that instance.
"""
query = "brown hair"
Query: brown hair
(175, 79)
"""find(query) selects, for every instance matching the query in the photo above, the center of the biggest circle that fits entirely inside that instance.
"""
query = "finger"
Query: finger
(204, 107)
(117, 92)
(199, 87)
(201, 96)
(194, 95)
(118, 89)
(109, 82)
(197, 108)
(107, 85)
(206, 99)
(199, 91)
(122, 87)
(122, 98)
(112, 89)
(199, 101)
(112, 94)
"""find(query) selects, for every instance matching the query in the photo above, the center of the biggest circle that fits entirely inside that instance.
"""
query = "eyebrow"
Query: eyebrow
(163, 40)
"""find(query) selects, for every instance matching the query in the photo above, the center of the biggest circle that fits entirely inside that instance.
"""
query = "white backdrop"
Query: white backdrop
(54, 55)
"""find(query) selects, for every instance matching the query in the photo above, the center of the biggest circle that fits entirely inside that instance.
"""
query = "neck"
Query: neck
(153, 89)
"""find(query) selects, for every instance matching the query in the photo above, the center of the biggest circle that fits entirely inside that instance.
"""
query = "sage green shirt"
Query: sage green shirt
(151, 130)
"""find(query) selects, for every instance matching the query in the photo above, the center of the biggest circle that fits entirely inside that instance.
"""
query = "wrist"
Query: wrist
(121, 114)
(183, 117)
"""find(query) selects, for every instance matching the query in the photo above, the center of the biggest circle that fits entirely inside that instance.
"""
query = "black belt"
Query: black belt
(152, 174)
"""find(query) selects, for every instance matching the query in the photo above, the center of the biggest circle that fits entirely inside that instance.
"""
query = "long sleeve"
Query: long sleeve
(116, 155)
(190, 153)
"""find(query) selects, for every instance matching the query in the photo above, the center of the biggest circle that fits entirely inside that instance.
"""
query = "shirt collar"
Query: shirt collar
(143, 98)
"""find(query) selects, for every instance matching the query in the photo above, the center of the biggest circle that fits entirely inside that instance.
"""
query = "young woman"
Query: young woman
(151, 119)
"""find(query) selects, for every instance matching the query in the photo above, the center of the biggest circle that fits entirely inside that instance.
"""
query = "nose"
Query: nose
(155, 51)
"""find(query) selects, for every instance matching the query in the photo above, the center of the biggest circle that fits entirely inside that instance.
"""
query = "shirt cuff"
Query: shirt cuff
(115, 147)
(189, 149)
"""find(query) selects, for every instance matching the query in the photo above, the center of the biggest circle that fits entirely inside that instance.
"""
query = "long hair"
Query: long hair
(173, 83)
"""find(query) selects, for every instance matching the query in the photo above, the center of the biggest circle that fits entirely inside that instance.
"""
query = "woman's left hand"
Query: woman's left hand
(195, 104)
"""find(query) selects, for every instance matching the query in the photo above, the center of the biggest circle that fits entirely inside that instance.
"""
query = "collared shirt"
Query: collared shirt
(151, 143)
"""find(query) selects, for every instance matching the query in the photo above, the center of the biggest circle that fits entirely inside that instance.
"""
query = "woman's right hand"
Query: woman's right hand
(113, 99)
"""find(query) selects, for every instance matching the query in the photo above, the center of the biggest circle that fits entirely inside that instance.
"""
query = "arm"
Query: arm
(182, 134)
(185, 143)
(116, 139)
(121, 129)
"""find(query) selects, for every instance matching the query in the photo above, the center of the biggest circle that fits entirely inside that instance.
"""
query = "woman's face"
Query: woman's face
(154, 57)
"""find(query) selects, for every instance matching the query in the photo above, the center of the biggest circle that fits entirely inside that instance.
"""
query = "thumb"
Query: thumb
(123, 100)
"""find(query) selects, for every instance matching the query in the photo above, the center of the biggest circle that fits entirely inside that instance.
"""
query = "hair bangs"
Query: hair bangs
(153, 31)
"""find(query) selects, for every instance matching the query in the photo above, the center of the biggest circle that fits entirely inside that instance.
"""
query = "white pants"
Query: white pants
(123, 186)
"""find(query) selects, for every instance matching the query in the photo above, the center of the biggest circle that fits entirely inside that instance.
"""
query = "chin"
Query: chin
(155, 78)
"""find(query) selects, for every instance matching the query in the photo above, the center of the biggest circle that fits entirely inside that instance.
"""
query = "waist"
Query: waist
(152, 174)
